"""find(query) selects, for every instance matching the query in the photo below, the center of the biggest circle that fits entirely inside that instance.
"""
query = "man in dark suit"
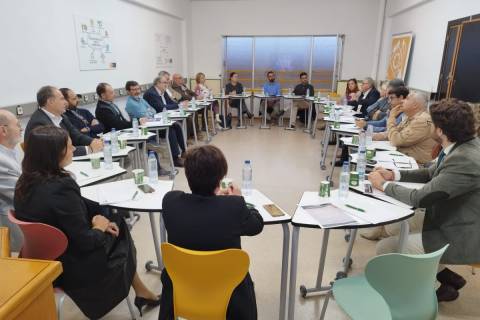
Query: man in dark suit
(451, 195)
(158, 98)
(107, 112)
(369, 96)
(51, 111)
(82, 119)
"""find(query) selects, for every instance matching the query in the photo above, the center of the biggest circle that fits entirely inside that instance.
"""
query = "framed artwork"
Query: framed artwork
(397, 65)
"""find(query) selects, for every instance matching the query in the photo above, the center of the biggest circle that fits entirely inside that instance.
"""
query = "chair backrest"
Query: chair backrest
(41, 241)
(407, 283)
(203, 281)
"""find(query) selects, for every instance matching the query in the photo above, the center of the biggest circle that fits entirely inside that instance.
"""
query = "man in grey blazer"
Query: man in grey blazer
(10, 170)
(451, 195)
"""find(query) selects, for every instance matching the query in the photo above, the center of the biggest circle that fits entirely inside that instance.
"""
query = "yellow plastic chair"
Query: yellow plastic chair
(203, 281)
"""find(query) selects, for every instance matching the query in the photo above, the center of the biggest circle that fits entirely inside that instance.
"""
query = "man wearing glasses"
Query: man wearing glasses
(10, 171)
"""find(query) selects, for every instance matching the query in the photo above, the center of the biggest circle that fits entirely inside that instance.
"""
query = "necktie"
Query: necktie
(440, 158)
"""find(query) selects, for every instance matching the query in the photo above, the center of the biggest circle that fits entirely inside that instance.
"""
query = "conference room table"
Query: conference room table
(375, 213)
(317, 103)
(377, 145)
(223, 108)
(194, 108)
(85, 175)
(258, 199)
(126, 195)
(119, 155)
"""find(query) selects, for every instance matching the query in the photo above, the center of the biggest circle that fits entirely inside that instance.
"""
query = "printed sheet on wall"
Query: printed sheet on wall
(399, 56)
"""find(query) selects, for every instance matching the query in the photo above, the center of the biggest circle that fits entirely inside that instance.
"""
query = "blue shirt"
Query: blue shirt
(271, 89)
(139, 108)
(381, 125)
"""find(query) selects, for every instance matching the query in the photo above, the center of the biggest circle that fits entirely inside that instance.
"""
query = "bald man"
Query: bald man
(10, 171)
(179, 87)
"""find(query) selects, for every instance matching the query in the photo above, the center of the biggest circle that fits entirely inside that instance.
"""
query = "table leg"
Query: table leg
(326, 138)
(264, 117)
(205, 115)
(309, 120)
(284, 279)
(240, 114)
(194, 122)
(184, 130)
(314, 128)
(293, 273)
(347, 259)
(214, 123)
(289, 127)
(334, 157)
(402, 240)
(172, 165)
(149, 264)
(163, 231)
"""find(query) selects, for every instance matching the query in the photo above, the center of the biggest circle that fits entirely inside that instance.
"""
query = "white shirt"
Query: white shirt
(55, 119)
(161, 94)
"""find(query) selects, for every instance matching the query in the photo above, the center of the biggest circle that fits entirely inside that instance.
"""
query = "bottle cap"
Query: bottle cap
(247, 161)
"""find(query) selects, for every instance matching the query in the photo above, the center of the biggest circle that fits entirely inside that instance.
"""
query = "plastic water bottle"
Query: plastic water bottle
(369, 135)
(152, 168)
(263, 92)
(107, 153)
(135, 131)
(308, 93)
(164, 115)
(361, 161)
(194, 102)
(247, 177)
(319, 95)
(211, 95)
(114, 140)
(344, 181)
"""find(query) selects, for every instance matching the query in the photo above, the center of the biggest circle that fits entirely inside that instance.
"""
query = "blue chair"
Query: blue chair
(395, 286)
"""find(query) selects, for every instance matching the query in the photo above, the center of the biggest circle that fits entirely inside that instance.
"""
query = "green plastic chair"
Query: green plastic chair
(395, 286)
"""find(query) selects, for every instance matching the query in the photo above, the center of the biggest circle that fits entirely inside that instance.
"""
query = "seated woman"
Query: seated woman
(351, 91)
(209, 219)
(235, 88)
(203, 92)
(99, 264)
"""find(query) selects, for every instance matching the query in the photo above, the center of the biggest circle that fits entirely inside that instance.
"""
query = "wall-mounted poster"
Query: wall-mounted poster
(163, 55)
(94, 44)
(397, 66)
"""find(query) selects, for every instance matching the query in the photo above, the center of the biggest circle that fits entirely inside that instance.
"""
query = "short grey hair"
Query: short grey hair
(4, 117)
(420, 98)
(370, 81)
(45, 93)
(395, 83)
(163, 73)
(158, 79)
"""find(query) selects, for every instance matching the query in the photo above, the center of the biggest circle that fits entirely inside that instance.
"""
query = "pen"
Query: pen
(83, 173)
(395, 154)
(134, 195)
(315, 206)
(355, 208)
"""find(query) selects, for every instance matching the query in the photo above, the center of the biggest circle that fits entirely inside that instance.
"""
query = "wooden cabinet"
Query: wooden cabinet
(26, 290)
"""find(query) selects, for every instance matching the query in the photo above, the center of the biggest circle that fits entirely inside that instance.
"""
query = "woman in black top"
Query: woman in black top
(209, 219)
(99, 264)
(235, 88)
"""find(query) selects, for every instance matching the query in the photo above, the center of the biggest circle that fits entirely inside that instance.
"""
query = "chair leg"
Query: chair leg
(61, 299)
(473, 270)
(130, 308)
(325, 304)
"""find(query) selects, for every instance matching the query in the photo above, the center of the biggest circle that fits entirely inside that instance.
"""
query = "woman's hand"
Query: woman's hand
(113, 229)
(232, 190)
(100, 222)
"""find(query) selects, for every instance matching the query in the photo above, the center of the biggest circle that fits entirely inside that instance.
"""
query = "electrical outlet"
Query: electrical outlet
(120, 91)
(85, 97)
(95, 97)
(19, 110)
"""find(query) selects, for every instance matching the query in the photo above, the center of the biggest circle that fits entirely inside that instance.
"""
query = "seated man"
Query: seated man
(51, 111)
(179, 86)
(413, 136)
(271, 88)
(82, 119)
(10, 170)
(108, 112)
(451, 195)
(379, 109)
(138, 108)
(369, 96)
(301, 89)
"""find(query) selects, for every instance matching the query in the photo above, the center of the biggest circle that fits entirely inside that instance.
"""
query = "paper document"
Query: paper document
(329, 216)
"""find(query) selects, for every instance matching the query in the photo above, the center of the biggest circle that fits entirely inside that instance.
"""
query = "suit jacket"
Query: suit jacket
(372, 97)
(413, 136)
(82, 118)
(40, 118)
(184, 92)
(155, 100)
(210, 223)
(454, 218)
(111, 117)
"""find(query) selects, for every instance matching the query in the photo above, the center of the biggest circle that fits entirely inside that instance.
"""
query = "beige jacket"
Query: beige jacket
(413, 136)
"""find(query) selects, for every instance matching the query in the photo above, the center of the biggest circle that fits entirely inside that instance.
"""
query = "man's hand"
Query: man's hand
(184, 104)
(376, 179)
(232, 190)
(376, 114)
(360, 123)
(96, 145)
(395, 111)
(386, 174)
(142, 121)
(113, 229)
(378, 136)
(94, 122)
(85, 130)
(100, 222)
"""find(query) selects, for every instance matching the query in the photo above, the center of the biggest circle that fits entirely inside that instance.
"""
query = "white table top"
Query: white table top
(258, 199)
(128, 135)
(378, 145)
(263, 96)
(291, 96)
(158, 124)
(118, 194)
(377, 212)
(91, 176)
(347, 128)
(175, 114)
(343, 119)
(120, 154)
(237, 96)
(390, 160)
(382, 196)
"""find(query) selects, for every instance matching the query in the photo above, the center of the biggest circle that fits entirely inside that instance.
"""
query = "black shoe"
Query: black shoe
(249, 115)
(163, 173)
(142, 302)
(178, 162)
(292, 126)
(281, 113)
(446, 293)
(447, 276)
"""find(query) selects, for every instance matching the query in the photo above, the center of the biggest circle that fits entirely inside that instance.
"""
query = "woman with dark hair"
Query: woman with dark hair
(209, 219)
(234, 88)
(351, 91)
(99, 264)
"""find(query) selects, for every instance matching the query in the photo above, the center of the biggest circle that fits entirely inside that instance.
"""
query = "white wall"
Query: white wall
(212, 19)
(428, 21)
(38, 44)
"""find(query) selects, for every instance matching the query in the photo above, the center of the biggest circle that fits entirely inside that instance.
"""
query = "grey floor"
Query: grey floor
(285, 164)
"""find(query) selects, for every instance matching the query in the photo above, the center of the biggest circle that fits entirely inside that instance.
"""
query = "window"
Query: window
(253, 57)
